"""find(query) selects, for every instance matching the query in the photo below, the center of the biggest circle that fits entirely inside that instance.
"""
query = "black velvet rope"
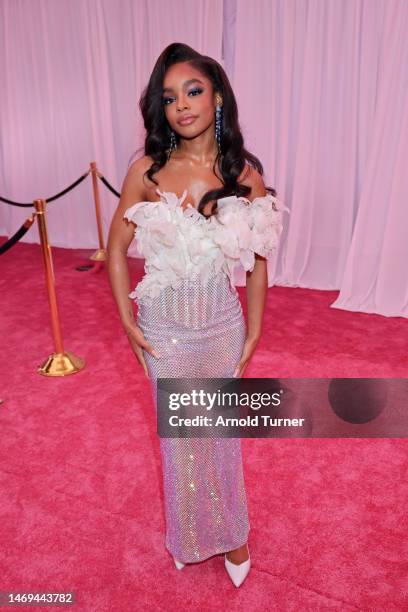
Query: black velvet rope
(15, 238)
(54, 197)
(109, 186)
(61, 193)
(26, 226)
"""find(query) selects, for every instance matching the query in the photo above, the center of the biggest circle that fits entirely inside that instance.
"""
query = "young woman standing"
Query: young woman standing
(197, 205)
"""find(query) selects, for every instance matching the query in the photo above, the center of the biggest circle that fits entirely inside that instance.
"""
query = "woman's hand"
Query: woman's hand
(138, 342)
(247, 351)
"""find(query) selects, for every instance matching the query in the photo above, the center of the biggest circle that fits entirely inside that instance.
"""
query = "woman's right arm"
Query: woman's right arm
(121, 234)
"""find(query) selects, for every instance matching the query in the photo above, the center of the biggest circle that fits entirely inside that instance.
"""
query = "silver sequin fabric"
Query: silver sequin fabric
(199, 332)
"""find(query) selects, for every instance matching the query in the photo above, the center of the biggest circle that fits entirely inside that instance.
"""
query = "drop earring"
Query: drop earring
(173, 144)
(218, 122)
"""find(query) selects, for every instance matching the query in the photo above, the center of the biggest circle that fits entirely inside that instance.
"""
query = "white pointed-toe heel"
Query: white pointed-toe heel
(237, 573)
(178, 564)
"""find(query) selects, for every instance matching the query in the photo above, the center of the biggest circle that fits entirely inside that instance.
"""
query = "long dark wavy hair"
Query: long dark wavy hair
(231, 160)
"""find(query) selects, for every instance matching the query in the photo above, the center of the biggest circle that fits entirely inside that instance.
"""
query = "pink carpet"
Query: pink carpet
(81, 497)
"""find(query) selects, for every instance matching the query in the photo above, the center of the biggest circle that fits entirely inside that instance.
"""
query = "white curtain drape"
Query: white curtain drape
(322, 90)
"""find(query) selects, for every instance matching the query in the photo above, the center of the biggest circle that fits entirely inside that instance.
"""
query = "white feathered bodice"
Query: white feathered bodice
(179, 243)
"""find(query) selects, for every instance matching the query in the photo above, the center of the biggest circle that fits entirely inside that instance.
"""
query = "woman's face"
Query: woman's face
(186, 92)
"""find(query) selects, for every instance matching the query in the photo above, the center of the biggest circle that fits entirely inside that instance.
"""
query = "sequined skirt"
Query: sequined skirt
(198, 331)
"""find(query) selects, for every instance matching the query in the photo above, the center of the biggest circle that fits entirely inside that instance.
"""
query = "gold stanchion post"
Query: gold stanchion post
(100, 254)
(60, 363)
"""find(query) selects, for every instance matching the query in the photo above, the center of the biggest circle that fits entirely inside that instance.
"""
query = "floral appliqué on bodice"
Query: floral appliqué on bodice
(179, 242)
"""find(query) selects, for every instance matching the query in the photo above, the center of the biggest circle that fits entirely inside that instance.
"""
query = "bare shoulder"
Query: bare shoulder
(251, 178)
(134, 186)
(140, 164)
(135, 179)
(133, 192)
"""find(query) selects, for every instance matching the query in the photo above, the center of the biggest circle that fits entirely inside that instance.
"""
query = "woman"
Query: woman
(189, 320)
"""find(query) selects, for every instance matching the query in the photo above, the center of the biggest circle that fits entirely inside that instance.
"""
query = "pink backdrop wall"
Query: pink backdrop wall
(322, 90)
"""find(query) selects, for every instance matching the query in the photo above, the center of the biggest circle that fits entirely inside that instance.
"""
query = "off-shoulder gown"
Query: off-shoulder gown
(189, 310)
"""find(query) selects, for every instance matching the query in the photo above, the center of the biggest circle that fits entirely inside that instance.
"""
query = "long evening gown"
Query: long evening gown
(189, 310)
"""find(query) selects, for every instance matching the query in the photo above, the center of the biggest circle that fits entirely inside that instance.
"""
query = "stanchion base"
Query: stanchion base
(61, 364)
(99, 255)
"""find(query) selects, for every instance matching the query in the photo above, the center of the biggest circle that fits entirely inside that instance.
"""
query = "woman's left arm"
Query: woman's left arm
(256, 290)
